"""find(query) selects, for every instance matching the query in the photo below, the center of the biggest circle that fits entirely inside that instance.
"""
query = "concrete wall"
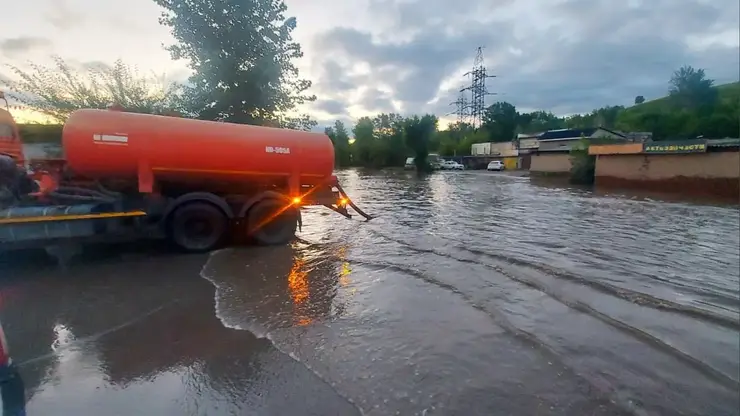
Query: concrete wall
(715, 173)
(503, 149)
(613, 149)
(480, 149)
(550, 163)
(528, 143)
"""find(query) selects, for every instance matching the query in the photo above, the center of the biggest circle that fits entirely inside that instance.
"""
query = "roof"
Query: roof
(726, 142)
(573, 133)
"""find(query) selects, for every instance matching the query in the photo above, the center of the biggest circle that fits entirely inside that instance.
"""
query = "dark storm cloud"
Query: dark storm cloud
(331, 106)
(375, 100)
(14, 47)
(570, 56)
(413, 69)
(333, 77)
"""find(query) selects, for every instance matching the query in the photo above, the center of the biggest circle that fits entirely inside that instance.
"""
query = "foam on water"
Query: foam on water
(261, 332)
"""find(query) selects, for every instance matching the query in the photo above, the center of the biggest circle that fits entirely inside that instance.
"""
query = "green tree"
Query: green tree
(58, 90)
(419, 131)
(390, 147)
(364, 141)
(639, 99)
(690, 88)
(241, 53)
(500, 121)
(341, 144)
(583, 165)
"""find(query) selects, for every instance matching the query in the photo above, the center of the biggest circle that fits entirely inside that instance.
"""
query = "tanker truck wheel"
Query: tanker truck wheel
(269, 223)
(197, 227)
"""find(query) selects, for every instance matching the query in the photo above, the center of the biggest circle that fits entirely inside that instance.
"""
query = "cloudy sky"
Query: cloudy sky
(409, 56)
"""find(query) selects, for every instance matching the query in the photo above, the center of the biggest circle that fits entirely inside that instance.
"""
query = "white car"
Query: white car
(451, 165)
(495, 165)
(409, 163)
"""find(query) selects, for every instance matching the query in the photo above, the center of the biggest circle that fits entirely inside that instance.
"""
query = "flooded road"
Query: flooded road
(470, 294)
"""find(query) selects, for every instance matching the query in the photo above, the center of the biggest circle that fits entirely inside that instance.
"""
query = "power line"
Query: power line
(472, 111)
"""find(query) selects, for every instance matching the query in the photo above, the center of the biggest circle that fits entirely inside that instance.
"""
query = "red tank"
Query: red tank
(103, 144)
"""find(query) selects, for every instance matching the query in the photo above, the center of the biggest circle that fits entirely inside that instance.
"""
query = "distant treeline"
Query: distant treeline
(694, 107)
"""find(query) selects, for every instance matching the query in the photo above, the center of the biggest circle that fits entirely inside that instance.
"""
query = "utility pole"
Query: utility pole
(478, 90)
(461, 107)
(471, 110)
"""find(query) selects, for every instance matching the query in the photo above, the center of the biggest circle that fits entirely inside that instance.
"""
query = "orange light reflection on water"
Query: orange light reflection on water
(299, 291)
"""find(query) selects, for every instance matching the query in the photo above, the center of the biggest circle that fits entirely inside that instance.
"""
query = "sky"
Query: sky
(409, 56)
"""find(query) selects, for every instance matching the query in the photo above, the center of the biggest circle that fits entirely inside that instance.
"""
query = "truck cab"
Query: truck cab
(10, 141)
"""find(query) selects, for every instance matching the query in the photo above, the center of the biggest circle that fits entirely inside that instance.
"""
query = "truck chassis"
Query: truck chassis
(45, 206)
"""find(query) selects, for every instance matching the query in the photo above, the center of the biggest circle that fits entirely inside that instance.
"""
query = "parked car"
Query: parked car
(409, 163)
(434, 162)
(496, 165)
(451, 165)
(11, 384)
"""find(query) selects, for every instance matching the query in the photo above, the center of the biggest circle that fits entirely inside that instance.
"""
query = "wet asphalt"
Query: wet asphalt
(470, 294)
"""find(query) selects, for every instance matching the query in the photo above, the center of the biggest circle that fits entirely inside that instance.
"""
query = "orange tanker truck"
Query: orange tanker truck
(196, 183)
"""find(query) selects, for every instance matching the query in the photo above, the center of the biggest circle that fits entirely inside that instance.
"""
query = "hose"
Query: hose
(352, 204)
(79, 190)
(107, 191)
(81, 198)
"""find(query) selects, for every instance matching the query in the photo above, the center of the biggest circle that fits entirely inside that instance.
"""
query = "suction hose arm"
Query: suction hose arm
(352, 204)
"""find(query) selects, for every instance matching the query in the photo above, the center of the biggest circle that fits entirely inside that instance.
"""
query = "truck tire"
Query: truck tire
(197, 227)
(269, 223)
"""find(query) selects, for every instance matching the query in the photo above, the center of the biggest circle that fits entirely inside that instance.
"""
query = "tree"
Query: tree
(501, 120)
(341, 144)
(364, 141)
(419, 131)
(304, 122)
(241, 52)
(583, 165)
(60, 89)
(639, 99)
(690, 88)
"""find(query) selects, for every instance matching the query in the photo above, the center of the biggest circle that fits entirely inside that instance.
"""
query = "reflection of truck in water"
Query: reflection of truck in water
(195, 182)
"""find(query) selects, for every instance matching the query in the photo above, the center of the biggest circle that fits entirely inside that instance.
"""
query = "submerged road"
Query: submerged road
(470, 294)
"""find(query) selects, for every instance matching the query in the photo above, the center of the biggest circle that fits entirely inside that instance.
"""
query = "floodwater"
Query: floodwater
(471, 293)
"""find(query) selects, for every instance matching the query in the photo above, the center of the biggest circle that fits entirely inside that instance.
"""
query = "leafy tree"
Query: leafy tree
(58, 90)
(501, 120)
(419, 131)
(303, 122)
(390, 145)
(341, 144)
(241, 52)
(364, 141)
(583, 165)
(690, 88)
(639, 99)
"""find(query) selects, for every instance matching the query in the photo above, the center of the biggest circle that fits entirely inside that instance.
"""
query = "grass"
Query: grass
(726, 92)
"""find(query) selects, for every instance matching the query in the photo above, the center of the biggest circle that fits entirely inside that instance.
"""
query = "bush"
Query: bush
(40, 133)
(582, 165)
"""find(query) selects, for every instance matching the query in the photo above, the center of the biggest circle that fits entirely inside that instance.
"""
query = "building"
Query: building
(527, 144)
(709, 167)
(507, 152)
(552, 155)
